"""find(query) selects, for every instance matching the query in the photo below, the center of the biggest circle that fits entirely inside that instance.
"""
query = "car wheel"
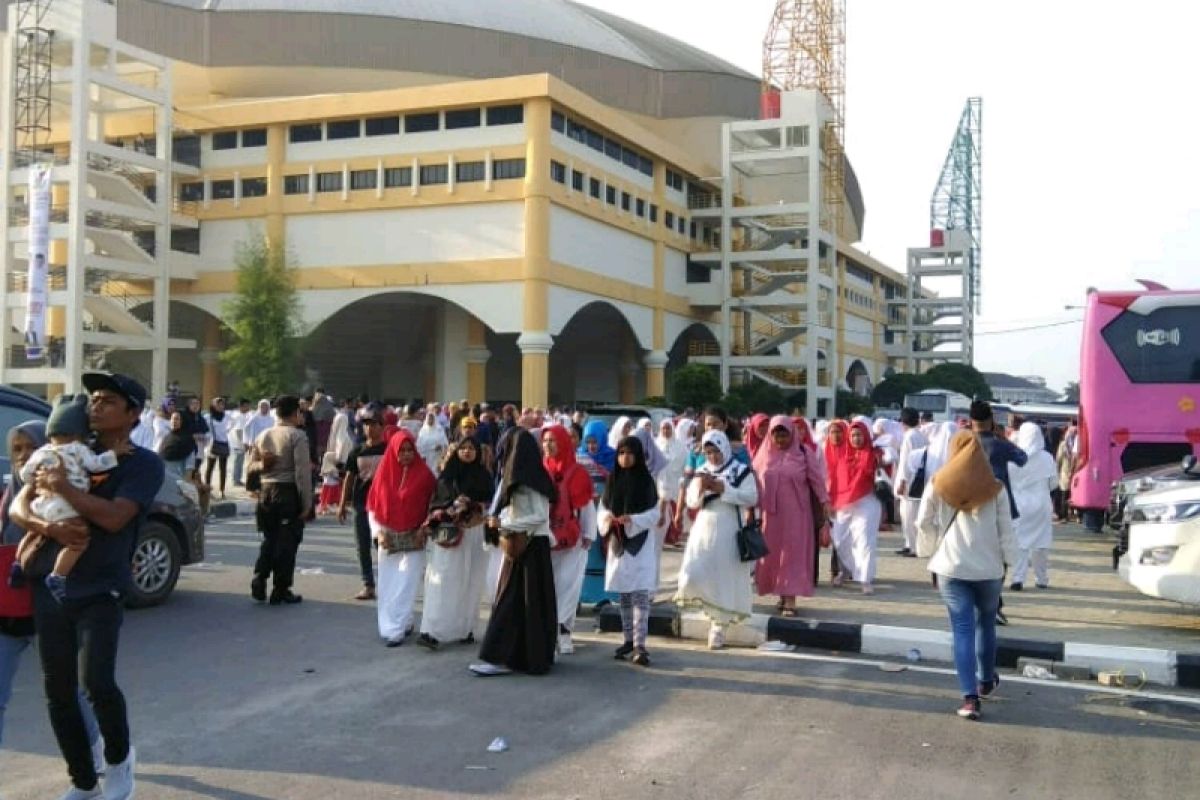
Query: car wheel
(156, 563)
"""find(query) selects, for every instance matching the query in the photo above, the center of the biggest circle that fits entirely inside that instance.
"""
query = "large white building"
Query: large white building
(500, 200)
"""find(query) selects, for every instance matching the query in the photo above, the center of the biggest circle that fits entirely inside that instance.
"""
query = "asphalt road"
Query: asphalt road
(235, 701)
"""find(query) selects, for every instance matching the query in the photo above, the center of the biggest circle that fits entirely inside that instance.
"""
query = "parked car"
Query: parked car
(1137, 482)
(173, 535)
(611, 413)
(1163, 559)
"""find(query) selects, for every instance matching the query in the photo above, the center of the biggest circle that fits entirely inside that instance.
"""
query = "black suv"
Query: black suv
(174, 531)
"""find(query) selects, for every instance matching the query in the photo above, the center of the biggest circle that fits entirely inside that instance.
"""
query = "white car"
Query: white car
(1163, 559)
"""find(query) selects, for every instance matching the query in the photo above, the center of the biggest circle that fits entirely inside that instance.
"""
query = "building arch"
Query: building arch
(597, 357)
(565, 305)
(858, 378)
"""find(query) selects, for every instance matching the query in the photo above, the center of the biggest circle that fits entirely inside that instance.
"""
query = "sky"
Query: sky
(1090, 158)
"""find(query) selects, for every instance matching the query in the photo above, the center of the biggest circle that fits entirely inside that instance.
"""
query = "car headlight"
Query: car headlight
(1166, 512)
(1158, 556)
(1143, 484)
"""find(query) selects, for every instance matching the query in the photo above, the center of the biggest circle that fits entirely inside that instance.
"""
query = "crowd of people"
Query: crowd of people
(464, 504)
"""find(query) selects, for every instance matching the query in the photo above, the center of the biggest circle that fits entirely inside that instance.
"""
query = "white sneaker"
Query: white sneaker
(118, 782)
(565, 646)
(484, 669)
(83, 794)
(716, 637)
(98, 756)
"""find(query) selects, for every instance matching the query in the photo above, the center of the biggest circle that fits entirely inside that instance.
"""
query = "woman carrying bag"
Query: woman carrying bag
(966, 510)
(523, 628)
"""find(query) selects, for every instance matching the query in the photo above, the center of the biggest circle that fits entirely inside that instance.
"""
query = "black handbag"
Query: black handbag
(916, 487)
(750, 541)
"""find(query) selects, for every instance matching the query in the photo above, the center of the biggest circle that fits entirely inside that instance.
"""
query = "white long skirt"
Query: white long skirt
(568, 567)
(454, 580)
(712, 578)
(400, 577)
(855, 532)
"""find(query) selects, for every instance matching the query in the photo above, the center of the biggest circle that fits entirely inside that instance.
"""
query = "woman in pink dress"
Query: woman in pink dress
(790, 476)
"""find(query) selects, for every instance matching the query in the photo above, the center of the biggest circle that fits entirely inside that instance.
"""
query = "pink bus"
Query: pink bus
(1139, 398)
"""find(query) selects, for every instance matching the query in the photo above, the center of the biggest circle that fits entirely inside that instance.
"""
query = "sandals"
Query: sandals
(789, 612)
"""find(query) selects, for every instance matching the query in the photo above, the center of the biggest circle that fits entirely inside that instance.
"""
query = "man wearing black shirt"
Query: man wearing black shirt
(78, 639)
(360, 470)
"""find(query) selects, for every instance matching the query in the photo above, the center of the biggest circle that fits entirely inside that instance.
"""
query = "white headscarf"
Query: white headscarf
(675, 452)
(730, 467)
(685, 430)
(432, 442)
(617, 432)
(1041, 464)
(939, 446)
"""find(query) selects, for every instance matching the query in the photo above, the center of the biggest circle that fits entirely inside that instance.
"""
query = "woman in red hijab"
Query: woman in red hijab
(397, 505)
(852, 465)
(791, 478)
(756, 433)
(573, 524)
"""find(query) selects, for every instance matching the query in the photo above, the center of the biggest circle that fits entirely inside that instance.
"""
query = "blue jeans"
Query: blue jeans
(11, 648)
(972, 606)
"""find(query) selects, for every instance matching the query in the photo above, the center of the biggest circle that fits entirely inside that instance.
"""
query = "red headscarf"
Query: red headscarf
(833, 451)
(399, 496)
(804, 433)
(852, 470)
(579, 485)
(756, 433)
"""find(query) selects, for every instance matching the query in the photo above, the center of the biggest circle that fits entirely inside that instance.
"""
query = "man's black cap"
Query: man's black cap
(123, 385)
(981, 411)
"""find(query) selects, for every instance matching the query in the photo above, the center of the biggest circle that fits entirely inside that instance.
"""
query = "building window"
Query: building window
(462, 118)
(577, 180)
(421, 123)
(674, 180)
(254, 187)
(594, 187)
(558, 172)
(343, 129)
(191, 192)
(305, 133)
(361, 179)
(508, 169)
(629, 157)
(382, 126)
(222, 190)
(470, 171)
(610, 195)
(557, 121)
(506, 115)
(641, 207)
(646, 166)
(329, 181)
(626, 201)
(185, 240)
(681, 225)
(434, 174)
(254, 137)
(669, 220)
(653, 213)
(225, 140)
(595, 141)
(612, 149)
(576, 131)
(295, 184)
(397, 176)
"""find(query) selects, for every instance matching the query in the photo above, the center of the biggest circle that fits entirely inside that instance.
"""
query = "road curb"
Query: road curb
(229, 509)
(1163, 667)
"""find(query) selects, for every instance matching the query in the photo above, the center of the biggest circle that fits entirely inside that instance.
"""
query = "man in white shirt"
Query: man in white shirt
(906, 471)
(237, 441)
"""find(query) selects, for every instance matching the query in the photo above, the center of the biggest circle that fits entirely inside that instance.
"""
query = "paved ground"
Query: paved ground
(241, 702)
(1087, 601)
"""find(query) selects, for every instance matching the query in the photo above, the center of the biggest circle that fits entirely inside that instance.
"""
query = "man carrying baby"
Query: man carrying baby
(78, 638)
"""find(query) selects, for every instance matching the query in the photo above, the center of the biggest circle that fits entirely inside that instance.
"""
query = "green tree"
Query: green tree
(754, 397)
(849, 404)
(695, 386)
(263, 319)
(1071, 393)
(961, 378)
(891, 391)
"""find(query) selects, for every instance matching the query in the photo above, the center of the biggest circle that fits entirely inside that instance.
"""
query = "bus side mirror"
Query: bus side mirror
(1189, 463)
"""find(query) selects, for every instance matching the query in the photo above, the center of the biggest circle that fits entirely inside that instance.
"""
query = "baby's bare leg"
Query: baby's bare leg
(29, 545)
(67, 558)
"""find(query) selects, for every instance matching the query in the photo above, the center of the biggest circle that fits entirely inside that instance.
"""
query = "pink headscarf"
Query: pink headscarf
(774, 467)
(756, 434)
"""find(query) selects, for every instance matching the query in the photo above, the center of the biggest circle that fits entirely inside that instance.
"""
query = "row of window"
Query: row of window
(229, 140)
(573, 129)
(362, 179)
(615, 197)
(858, 298)
(423, 122)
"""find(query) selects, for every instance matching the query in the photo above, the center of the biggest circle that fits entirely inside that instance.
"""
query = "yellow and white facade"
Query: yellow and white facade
(507, 237)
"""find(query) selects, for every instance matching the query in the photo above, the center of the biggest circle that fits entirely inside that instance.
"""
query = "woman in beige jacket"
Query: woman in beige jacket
(967, 512)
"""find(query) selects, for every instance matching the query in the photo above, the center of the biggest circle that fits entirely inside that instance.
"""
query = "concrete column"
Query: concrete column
(452, 341)
(210, 361)
(628, 372)
(535, 367)
(477, 355)
(656, 373)
(276, 158)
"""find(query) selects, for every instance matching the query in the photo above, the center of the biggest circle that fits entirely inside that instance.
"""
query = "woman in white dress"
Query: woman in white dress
(456, 569)
(628, 513)
(397, 506)
(1031, 487)
(713, 577)
(432, 443)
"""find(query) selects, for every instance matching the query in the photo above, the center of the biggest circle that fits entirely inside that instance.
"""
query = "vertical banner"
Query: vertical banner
(39, 247)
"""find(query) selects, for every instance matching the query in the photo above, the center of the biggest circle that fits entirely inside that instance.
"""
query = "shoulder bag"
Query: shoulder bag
(751, 544)
(402, 541)
(916, 487)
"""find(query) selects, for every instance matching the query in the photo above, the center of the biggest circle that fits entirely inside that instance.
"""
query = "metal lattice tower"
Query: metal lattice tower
(31, 80)
(805, 48)
(958, 198)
